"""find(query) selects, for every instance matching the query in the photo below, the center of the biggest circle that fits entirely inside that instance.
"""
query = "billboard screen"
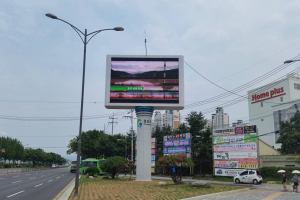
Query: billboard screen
(155, 81)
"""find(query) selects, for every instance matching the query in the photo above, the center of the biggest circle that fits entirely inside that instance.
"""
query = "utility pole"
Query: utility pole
(112, 123)
(131, 130)
(104, 128)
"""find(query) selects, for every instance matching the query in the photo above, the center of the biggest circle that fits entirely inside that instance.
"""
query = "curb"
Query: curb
(66, 192)
(209, 195)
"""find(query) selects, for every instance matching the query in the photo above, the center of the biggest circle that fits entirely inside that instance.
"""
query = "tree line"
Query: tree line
(13, 150)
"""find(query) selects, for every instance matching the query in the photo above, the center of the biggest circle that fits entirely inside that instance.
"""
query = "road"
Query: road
(39, 185)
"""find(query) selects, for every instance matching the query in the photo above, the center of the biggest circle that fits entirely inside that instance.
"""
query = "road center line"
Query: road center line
(17, 181)
(50, 181)
(38, 185)
(15, 193)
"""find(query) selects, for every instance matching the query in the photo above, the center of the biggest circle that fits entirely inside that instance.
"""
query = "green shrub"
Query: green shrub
(7, 165)
(92, 171)
(271, 172)
(114, 165)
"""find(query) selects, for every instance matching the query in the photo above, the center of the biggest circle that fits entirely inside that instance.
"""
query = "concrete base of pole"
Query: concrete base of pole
(143, 142)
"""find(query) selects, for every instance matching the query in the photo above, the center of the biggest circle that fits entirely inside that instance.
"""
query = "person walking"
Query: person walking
(284, 179)
(296, 182)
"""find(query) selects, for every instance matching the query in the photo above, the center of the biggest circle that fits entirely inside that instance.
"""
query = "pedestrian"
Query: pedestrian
(284, 182)
(296, 183)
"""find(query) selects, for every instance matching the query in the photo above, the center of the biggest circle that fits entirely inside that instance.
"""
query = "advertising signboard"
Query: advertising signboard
(177, 137)
(236, 139)
(224, 131)
(239, 130)
(236, 164)
(175, 143)
(153, 145)
(236, 147)
(235, 155)
(181, 149)
(155, 81)
(227, 172)
(249, 129)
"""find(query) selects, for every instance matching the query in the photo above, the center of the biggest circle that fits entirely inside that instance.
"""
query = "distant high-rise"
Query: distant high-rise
(220, 119)
(169, 118)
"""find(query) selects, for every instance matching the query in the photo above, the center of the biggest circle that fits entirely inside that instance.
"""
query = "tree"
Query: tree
(114, 165)
(175, 165)
(201, 142)
(290, 135)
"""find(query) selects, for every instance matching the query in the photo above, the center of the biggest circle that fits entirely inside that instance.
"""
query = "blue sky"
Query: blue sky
(230, 42)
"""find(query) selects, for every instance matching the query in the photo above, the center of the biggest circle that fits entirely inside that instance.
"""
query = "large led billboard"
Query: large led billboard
(155, 81)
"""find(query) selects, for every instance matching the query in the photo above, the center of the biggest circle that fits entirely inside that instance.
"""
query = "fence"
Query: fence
(21, 170)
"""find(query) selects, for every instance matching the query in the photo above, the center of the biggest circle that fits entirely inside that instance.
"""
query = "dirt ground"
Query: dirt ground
(123, 189)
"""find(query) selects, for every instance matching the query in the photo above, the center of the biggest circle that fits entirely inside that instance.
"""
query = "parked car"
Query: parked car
(248, 176)
(53, 165)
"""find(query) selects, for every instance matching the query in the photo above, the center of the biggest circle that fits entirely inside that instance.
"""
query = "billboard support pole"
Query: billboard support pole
(143, 142)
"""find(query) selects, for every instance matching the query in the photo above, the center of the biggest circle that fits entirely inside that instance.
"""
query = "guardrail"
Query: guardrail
(21, 170)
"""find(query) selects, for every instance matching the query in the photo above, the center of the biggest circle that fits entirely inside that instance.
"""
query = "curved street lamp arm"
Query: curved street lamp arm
(78, 33)
(71, 26)
(100, 31)
(92, 36)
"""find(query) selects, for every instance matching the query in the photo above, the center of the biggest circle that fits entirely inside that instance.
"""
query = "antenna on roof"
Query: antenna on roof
(146, 43)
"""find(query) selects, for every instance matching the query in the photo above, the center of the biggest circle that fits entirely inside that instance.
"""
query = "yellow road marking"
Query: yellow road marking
(273, 196)
(63, 190)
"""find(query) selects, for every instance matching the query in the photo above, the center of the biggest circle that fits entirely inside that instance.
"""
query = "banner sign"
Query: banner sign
(236, 139)
(249, 129)
(177, 137)
(239, 130)
(226, 131)
(227, 172)
(152, 151)
(235, 155)
(175, 143)
(229, 139)
(152, 157)
(182, 149)
(236, 164)
(235, 147)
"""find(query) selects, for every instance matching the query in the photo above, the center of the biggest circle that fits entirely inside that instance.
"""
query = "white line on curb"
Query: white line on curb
(15, 194)
(38, 185)
(17, 181)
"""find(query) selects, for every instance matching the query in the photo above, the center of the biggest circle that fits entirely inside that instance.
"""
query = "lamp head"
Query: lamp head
(288, 61)
(119, 29)
(51, 16)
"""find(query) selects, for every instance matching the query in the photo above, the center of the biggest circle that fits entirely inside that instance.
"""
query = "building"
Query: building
(169, 118)
(272, 104)
(239, 123)
(220, 119)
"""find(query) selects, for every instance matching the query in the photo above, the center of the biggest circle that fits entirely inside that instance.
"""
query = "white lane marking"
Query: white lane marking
(38, 185)
(50, 181)
(15, 193)
(32, 178)
(17, 181)
(27, 174)
(42, 175)
(58, 177)
(63, 175)
(16, 176)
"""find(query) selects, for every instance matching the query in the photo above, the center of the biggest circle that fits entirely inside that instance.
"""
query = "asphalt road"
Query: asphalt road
(39, 185)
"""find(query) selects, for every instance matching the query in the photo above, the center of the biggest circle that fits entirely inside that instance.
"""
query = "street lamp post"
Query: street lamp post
(85, 41)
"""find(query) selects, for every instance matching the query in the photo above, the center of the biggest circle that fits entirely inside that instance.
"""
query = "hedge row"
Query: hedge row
(271, 172)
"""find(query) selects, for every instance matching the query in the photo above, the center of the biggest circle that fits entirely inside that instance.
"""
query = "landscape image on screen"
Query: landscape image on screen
(144, 80)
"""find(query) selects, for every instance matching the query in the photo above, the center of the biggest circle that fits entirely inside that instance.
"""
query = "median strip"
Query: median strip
(15, 193)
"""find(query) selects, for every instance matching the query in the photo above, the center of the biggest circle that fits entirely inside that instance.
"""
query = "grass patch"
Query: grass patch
(123, 189)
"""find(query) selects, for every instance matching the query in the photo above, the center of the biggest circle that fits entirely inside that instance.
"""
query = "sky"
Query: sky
(135, 67)
(229, 42)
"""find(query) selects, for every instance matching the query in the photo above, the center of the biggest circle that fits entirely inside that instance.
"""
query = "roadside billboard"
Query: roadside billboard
(235, 155)
(234, 149)
(180, 143)
(227, 172)
(155, 81)
(153, 147)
